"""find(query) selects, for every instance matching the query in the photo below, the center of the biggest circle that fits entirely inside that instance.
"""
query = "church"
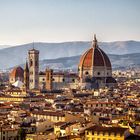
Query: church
(94, 69)
(94, 72)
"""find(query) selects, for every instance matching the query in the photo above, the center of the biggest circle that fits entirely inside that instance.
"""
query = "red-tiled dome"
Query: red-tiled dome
(94, 56)
(17, 72)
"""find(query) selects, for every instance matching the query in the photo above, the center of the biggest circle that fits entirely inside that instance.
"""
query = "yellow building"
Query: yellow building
(104, 133)
(40, 137)
(16, 92)
(12, 99)
(18, 95)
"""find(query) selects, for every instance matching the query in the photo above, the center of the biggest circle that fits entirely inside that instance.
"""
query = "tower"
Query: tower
(26, 76)
(49, 79)
(33, 69)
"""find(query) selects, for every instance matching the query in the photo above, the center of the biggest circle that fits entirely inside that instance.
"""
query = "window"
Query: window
(86, 73)
(36, 63)
(31, 62)
(48, 76)
(31, 73)
(98, 73)
(73, 80)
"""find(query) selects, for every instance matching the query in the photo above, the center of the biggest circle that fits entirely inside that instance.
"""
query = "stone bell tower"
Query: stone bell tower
(49, 79)
(33, 55)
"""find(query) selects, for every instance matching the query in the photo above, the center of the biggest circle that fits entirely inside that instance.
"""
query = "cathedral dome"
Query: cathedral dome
(17, 72)
(94, 57)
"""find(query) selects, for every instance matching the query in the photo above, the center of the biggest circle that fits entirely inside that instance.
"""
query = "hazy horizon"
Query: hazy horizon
(2, 46)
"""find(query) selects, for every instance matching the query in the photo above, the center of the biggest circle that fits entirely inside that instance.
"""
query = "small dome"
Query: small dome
(17, 72)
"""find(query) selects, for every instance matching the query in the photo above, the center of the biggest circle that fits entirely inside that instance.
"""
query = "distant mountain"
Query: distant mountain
(123, 62)
(16, 55)
(126, 61)
(4, 46)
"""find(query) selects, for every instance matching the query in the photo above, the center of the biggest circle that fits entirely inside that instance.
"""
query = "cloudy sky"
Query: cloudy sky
(24, 21)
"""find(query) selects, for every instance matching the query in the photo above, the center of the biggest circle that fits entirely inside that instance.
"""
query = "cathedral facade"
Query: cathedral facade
(94, 71)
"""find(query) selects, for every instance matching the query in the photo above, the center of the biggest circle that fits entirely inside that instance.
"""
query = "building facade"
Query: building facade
(33, 69)
(105, 133)
(94, 71)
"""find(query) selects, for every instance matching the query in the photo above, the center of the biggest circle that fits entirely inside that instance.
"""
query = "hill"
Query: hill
(16, 55)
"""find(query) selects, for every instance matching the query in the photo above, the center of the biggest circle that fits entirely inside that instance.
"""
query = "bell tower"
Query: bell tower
(49, 79)
(33, 69)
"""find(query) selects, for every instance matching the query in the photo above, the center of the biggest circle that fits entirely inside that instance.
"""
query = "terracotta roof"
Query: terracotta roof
(42, 73)
(95, 56)
(48, 113)
(17, 72)
(107, 129)
(6, 107)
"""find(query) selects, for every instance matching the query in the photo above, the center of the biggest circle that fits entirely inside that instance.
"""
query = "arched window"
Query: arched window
(98, 73)
(73, 80)
(31, 62)
(48, 76)
(86, 73)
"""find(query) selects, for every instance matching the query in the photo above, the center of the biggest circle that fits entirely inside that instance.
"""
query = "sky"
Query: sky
(24, 21)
